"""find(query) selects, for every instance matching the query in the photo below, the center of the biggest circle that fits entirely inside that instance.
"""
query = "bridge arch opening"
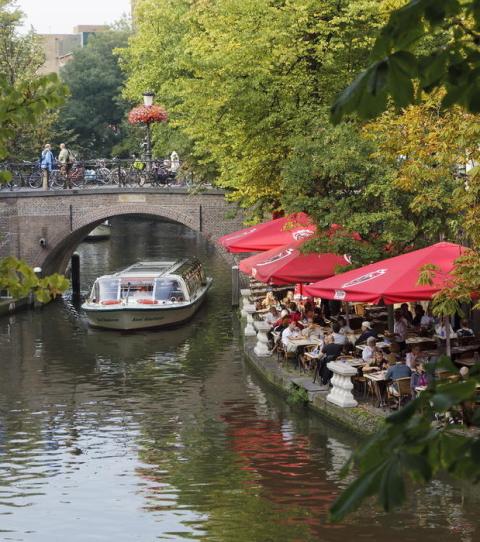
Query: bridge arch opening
(61, 247)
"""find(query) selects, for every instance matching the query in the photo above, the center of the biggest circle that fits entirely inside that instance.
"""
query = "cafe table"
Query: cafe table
(376, 378)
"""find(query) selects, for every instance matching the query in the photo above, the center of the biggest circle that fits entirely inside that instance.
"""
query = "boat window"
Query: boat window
(107, 289)
(167, 289)
(137, 290)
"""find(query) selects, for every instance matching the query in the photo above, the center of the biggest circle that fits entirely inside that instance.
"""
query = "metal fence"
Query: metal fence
(95, 173)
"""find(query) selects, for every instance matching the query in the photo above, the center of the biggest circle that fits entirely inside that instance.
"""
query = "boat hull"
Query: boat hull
(104, 231)
(130, 318)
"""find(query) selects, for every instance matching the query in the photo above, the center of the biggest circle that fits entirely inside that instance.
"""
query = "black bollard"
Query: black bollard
(76, 274)
(235, 286)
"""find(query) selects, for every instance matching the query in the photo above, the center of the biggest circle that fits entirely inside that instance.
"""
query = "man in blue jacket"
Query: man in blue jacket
(47, 164)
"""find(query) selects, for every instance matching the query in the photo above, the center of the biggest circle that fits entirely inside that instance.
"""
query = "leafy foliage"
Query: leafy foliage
(94, 114)
(242, 79)
(20, 58)
(20, 280)
(417, 443)
(401, 68)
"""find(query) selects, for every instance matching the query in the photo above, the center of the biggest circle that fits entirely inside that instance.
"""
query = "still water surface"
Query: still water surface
(167, 435)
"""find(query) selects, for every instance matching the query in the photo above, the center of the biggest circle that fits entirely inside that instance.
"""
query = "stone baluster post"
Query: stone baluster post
(341, 393)
(245, 293)
(261, 349)
(249, 329)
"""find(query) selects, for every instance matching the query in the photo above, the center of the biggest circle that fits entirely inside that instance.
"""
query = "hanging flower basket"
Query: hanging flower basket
(146, 115)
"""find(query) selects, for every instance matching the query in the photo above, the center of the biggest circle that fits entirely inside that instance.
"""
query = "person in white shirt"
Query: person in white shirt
(464, 330)
(427, 321)
(413, 357)
(368, 353)
(344, 328)
(272, 316)
(400, 328)
(338, 338)
(291, 331)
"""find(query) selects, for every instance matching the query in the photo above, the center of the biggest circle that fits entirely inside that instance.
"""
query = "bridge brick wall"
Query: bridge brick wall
(63, 218)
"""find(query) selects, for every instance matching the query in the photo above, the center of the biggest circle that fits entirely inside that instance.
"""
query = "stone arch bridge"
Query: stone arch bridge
(44, 228)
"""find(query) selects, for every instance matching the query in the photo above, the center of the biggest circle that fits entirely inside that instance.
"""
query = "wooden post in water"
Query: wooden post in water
(235, 286)
(75, 263)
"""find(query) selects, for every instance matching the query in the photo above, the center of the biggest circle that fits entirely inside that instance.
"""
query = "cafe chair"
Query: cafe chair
(398, 390)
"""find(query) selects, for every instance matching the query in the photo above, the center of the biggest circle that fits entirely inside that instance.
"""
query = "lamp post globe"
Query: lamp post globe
(148, 98)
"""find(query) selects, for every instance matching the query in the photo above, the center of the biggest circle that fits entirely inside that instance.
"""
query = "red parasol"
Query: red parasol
(268, 235)
(394, 280)
(287, 265)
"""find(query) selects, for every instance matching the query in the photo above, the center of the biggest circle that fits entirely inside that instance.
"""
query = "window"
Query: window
(107, 289)
(166, 289)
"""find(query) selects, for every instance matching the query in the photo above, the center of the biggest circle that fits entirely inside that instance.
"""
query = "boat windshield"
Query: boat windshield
(107, 289)
(167, 289)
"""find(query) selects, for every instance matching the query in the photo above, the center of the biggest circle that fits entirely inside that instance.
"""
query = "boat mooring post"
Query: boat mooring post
(235, 286)
(75, 262)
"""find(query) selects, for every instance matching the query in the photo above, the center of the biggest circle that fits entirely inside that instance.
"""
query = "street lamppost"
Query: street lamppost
(148, 102)
(146, 114)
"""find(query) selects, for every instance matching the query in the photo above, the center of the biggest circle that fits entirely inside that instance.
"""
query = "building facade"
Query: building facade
(59, 48)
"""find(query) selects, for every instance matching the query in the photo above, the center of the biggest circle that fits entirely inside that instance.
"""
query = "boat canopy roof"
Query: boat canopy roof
(149, 271)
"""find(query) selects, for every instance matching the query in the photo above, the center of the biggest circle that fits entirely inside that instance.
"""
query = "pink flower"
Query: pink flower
(146, 115)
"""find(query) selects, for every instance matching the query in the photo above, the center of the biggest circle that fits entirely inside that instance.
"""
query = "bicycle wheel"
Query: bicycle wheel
(57, 179)
(104, 175)
(34, 180)
(118, 176)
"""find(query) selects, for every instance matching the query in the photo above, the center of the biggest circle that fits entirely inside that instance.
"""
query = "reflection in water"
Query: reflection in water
(166, 435)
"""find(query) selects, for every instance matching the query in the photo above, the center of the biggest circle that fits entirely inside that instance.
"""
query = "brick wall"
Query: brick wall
(63, 219)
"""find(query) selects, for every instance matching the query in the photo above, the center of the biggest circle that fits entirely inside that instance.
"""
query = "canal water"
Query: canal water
(168, 435)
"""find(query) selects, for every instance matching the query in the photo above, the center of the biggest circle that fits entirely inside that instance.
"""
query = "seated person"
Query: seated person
(330, 348)
(378, 360)
(281, 324)
(367, 332)
(318, 316)
(441, 328)
(289, 332)
(400, 328)
(284, 314)
(427, 321)
(344, 328)
(310, 329)
(399, 370)
(406, 313)
(419, 378)
(295, 315)
(464, 330)
(419, 313)
(394, 355)
(412, 357)
(338, 338)
(369, 350)
(272, 316)
(269, 301)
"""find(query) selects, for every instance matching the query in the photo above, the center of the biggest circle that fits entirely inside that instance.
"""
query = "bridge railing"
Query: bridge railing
(96, 173)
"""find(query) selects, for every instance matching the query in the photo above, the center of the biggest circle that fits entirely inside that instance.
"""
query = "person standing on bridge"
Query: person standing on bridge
(66, 160)
(47, 164)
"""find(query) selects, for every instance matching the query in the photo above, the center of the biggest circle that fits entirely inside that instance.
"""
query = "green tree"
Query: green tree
(20, 58)
(242, 79)
(401, 69)
(93, 116)
(432, 139)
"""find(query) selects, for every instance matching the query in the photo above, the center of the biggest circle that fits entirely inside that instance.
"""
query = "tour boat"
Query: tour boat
(148, 294)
